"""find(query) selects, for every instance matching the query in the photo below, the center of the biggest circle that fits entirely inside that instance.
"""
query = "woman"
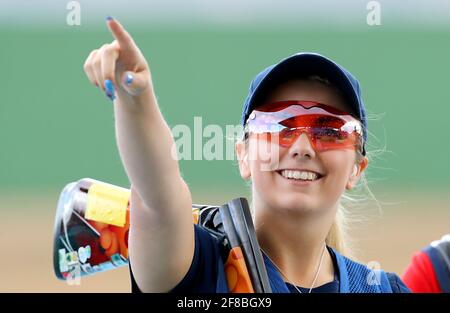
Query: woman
(305, 129)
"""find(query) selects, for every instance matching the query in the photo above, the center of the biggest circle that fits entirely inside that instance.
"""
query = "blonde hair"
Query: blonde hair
(339, 234)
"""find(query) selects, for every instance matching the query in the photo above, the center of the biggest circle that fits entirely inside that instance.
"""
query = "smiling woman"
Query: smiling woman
(304, 145)
(321, 146)
(296, 205)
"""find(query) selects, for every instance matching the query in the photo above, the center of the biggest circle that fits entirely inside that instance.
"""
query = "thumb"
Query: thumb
(134, 83)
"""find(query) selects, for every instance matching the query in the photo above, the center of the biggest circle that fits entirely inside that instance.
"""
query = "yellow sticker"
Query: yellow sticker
(107, 204)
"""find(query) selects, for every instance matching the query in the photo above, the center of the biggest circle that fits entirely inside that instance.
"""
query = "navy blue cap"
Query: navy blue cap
(304, 64)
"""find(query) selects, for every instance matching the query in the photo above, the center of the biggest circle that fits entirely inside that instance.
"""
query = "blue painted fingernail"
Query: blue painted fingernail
(129, 79)
(109, 89)
(109, 18)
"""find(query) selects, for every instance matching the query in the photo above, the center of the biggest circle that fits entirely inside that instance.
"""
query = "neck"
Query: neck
(295, 244)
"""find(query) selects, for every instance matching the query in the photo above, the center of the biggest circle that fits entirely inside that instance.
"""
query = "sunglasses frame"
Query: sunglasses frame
(307, 104)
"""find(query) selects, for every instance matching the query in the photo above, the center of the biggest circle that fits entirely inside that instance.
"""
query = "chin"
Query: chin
(295, 203)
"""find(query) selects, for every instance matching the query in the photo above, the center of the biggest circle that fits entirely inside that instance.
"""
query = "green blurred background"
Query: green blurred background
(56, 128)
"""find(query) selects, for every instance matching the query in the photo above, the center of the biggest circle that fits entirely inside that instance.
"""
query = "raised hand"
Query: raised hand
(119, 68)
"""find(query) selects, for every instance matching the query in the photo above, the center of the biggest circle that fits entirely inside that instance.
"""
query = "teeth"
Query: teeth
(302, 175)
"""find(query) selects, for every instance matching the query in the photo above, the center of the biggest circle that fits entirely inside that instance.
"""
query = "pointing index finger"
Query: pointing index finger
(120, 34)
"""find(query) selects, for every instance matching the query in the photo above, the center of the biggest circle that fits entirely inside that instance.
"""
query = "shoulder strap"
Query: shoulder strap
(232, 225)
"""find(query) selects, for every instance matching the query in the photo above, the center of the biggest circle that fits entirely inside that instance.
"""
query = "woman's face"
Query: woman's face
(263, 161)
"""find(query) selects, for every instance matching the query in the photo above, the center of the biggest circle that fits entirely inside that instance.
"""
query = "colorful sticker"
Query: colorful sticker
(63, 267)
(105, 266)
(107, 204)
(118, 260)
(87, 268)
(74, 275)
(88, 251)
(72, 258)
(83, 254)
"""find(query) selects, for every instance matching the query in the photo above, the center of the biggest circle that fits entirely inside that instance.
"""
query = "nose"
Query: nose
(302, 147)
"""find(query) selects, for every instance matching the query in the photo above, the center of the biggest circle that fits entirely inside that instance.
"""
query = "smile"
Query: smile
(299, 176)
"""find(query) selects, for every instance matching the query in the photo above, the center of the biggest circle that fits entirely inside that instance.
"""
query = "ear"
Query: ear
(358, 169)
(242, 156)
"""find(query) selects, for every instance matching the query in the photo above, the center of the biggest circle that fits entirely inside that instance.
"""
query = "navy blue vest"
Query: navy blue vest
(353, 277)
